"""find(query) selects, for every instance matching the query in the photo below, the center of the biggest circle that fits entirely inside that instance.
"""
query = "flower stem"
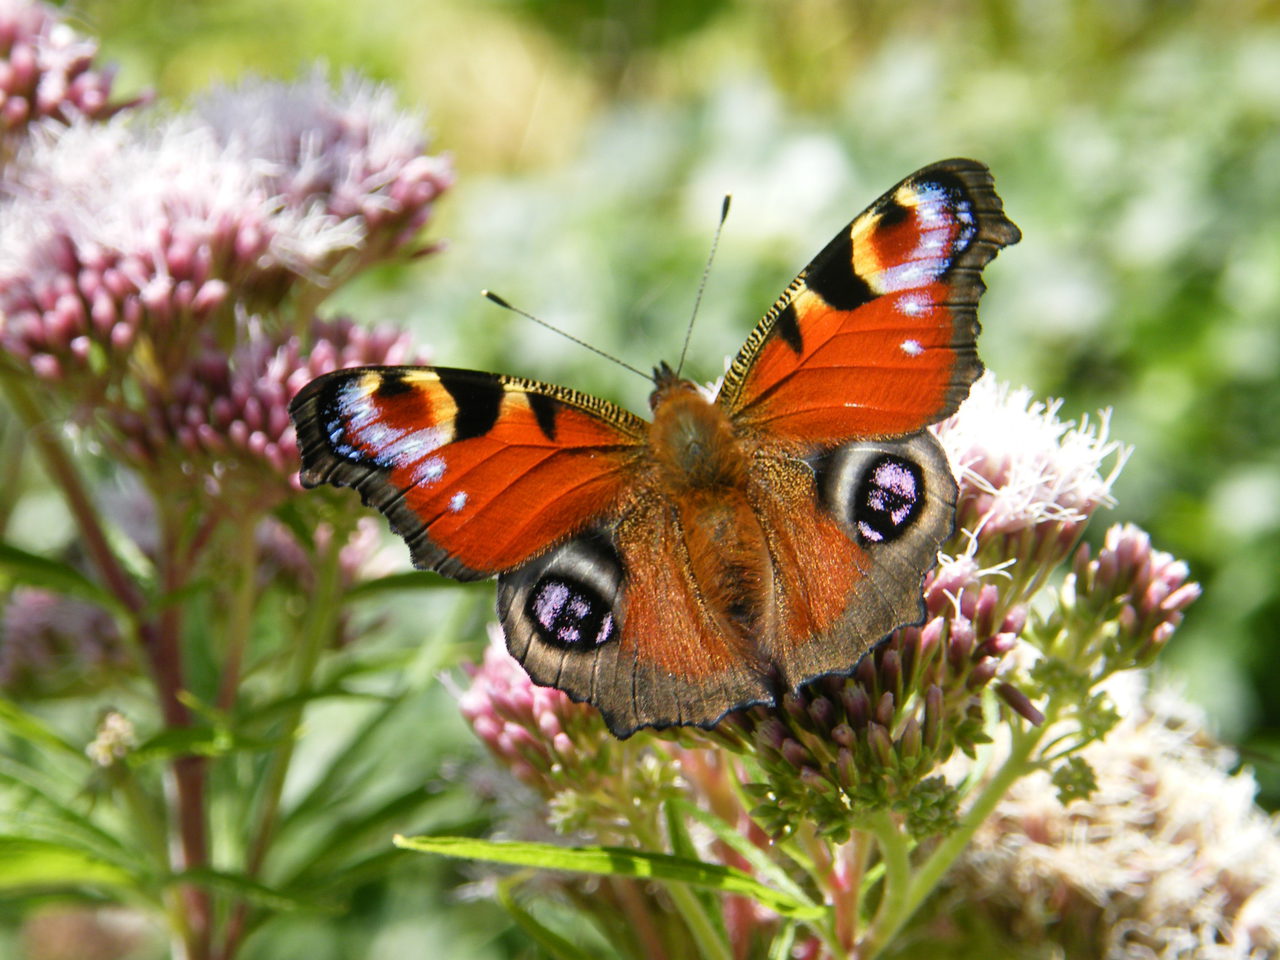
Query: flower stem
(317, 630)
(11, 450)
(709, 941)
(64, 473)
(705, 936)
(926, 877)
(163, 642)
(239, 620)
(896, 893)
(160, 641)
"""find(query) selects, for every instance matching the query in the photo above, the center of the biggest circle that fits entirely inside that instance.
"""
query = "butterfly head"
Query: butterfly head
(667, 384)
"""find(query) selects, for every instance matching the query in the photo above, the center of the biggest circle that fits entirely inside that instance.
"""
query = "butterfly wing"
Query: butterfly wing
(876, 337)
(615, 618)
(852, 534)
(871, 343)
(478, 472)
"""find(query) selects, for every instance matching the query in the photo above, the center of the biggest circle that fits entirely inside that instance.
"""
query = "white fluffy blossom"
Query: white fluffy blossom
(1169, 858)
(1024, 464)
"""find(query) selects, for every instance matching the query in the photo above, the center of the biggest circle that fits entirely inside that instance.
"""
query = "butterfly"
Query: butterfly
(730, 549)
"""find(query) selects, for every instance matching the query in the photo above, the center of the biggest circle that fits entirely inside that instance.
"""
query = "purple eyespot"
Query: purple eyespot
(568, 613)
(889, 497)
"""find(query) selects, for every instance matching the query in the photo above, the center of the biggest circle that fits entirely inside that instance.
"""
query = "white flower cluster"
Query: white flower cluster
(1026, 465)
(1169, 858)
(115, 738)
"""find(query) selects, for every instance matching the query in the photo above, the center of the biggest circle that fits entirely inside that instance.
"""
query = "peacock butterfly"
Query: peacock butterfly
(671, 571)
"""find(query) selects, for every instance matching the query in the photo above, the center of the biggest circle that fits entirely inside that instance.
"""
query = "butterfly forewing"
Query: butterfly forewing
(478, 472)
(876, 337)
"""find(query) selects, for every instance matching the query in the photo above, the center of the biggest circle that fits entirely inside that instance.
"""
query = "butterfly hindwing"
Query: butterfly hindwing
(852, 538)
(478, 472)
(876, 337)
(613, 617)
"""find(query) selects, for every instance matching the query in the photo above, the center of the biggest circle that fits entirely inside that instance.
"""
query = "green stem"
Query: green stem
(148, 821)
(703, 931)
(63, 471)
(239, 620)
(317, 631)
(895, 849)
(10, 469)
(930, 873)
(711, 945)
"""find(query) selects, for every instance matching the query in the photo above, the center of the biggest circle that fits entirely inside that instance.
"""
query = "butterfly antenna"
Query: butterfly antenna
(568, 336)
(706, 272)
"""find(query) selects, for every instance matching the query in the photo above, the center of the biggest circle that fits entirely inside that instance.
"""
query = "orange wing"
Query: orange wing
(478, 472)
(876, 337)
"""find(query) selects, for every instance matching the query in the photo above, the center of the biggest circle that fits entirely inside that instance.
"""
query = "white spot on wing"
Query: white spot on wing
(913, 273)
(914, 304)
(391, 446)
(911, 348)
(458, 501)
(414, 446)
(429, 470)
(380, 435)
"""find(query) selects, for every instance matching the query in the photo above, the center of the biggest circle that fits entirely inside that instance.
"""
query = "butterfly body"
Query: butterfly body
(732, 547)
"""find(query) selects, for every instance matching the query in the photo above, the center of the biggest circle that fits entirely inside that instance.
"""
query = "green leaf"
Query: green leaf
(406, 580)
(37, 571)
(202, 741)
(41, 864)
(616, 861)
(344, 838)
(31, 728)
(763, 865)
(548, 939)
(302, 527)
(256, 893)
(183, 596)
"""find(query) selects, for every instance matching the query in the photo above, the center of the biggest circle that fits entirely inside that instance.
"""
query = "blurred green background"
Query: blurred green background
(1136, 143)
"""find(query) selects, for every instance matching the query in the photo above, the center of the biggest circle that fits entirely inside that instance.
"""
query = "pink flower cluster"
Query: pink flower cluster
(351, 152)
(46, 70)
(160, 274)
(120, 235)
(1145, 590)
(233, 408)
(816, 769)
(533, 731)
(52, 641)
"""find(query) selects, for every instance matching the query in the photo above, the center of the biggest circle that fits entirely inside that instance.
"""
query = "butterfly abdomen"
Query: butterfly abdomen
(702, 471)
(729, 561)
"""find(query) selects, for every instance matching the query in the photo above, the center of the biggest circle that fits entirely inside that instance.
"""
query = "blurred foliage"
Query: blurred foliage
(1137, 144)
